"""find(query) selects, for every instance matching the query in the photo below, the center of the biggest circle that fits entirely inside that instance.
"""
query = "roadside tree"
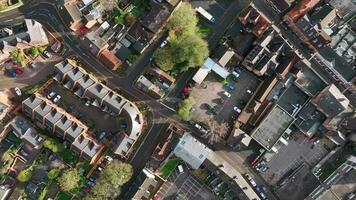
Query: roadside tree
(185, 108)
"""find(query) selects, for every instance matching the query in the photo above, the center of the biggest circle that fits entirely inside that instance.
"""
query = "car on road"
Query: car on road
(51, 95)
(57, 98)
(227, 94)
(18, 91)
(229, 86)
(238, 110)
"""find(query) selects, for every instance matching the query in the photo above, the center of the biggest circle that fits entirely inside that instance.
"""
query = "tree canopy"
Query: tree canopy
(110, 181)
(185, 108)
(25, 174)
(186, 47)
(69, 180)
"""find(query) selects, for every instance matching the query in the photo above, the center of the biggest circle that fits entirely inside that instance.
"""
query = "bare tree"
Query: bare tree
(217, 131)
(108, 5)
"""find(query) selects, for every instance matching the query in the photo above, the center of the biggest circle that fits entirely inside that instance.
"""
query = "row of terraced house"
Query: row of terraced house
(60, 123)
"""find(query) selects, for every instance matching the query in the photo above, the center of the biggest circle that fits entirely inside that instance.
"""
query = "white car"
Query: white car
(198, 126)
(164, 43)
(47, 54)
(18, 91)
(51, 95)
(227, 94)
(253, 183)
(109, 158)
(57, 98)
(238, 110)
(180, 169)
(248, 91)
(87, 103)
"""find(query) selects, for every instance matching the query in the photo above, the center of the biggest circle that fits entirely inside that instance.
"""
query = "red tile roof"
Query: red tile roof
(301, 9)
(108, 58)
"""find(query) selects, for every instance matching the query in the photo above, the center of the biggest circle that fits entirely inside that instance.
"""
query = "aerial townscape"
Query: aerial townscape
(177, 99)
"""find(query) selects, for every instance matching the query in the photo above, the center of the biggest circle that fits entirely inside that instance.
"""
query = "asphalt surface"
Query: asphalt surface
(49, 14)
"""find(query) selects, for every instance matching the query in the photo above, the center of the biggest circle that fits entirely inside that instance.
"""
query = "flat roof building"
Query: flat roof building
(191, 151)
(331, 101)
(271, 128)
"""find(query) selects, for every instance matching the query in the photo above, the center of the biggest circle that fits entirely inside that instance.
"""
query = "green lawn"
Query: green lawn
(32, 89)
(167, 168)
(63, 196)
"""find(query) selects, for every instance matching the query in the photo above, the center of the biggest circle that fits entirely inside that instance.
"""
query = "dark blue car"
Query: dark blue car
(230, 86)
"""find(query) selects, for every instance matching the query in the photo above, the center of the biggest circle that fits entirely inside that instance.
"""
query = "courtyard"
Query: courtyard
(97, 120)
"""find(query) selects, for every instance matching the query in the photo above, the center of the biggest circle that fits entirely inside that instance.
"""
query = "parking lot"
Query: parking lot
(212, 94)
(184, 186)
(290, 157)
(92, 116)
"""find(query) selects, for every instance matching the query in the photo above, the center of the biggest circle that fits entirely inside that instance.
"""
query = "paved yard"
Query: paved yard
(90, 114)
(290, 157)
(184, 187)
(299, 185)
(213, 96)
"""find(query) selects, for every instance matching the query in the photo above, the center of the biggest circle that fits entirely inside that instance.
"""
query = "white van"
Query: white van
(180, 168)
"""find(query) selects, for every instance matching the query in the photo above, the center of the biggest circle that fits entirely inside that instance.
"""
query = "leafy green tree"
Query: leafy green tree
(186, 47)
(109, 183)
(53, 145)
(34, 52)
(53, 174)
(185, 108)
(183, 19)
(69, 180)
(25, 174)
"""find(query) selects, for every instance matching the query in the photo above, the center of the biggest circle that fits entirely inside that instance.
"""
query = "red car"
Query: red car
(186, 90)
(18, 70)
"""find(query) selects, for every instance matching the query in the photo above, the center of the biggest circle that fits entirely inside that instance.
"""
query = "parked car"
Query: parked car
(236, 75)
(164, 43)
(18, 91)
(237, 70)
(87, 103)
(249, 178)
(249, 91)
(229, 86)
(46, 54)
(102, 135)
(123, 125)
(33, 65)
(18, 70)
(57, 98)
(51, 95)
(238, 110)
(109, 158)
(180, 169)
(227, 94)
